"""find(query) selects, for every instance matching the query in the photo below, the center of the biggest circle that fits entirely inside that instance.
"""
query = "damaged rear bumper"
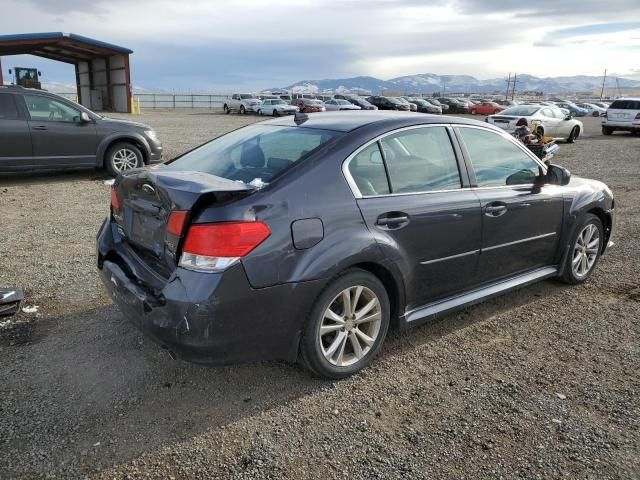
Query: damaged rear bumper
(204, 317)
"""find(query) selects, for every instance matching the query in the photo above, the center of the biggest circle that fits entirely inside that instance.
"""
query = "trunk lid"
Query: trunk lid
(147, 198)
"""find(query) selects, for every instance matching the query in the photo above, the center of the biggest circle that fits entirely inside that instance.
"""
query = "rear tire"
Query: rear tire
(586, 247)
(336, 342)
(122, 156)
(573, 136)
(607, 131)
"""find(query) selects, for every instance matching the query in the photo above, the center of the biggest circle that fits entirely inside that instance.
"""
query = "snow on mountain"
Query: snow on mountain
(431, 82)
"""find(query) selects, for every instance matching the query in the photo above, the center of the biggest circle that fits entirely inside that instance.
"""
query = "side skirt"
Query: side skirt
(441, 307)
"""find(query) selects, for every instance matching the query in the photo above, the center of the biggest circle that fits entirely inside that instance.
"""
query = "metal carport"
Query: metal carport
(103, 77)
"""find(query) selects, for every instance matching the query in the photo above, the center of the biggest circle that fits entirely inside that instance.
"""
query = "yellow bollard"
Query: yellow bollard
(133, 107)
(138, 105)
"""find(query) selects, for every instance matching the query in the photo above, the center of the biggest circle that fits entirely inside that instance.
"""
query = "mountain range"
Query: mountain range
(431, 82)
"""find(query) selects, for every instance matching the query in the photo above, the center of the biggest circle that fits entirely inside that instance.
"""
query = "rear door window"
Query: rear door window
(368, 172)
(421, 160)
(8, 108)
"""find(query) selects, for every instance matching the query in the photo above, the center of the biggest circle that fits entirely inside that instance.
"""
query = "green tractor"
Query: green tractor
(27, 77)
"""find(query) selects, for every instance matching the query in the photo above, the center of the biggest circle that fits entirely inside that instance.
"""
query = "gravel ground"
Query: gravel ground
(540, 383)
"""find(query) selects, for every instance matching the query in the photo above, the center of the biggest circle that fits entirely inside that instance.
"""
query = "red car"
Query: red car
(309, 105)
(485, 108)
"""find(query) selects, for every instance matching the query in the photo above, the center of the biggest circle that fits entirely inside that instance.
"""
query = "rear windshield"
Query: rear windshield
(626, 105)
(256, 152)
(521, 110)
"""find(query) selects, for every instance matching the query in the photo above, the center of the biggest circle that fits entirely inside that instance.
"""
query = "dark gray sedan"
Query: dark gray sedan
(309, 237)
(41, 130)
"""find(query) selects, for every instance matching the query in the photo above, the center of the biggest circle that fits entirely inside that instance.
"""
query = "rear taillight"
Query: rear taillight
(175, 224)
(115, 201)
(604, 115)
(213, 247)
(638, 116)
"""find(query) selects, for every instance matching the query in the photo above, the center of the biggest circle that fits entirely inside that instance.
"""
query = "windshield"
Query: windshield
(254, 152)
(343, 102)
(245, 95)
(521, 110)
(394, 100)
(277, 102)
(313, 102)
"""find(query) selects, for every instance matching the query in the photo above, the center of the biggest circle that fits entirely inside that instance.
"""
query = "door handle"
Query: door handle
(495, 209)
(39, 127)
(393, 220)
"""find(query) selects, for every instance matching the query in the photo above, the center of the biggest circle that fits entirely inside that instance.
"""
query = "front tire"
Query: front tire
(121, 157)
(347, 325)
(586, 247)
(226, 110)
(243, 111)
(474, 112)
(573, 136)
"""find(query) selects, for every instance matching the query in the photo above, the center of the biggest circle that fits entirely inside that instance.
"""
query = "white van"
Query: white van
(623, 114)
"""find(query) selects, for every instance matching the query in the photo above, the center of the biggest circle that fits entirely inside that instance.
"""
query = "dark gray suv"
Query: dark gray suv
(41, 130)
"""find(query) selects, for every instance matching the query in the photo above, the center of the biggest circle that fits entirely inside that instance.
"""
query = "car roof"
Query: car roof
(346, 122)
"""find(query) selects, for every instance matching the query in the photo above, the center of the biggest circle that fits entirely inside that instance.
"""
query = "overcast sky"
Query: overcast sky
(206, 45)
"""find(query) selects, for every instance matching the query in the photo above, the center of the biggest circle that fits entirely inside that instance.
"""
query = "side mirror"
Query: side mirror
(568, 117)
(84, 118)
(557, 175)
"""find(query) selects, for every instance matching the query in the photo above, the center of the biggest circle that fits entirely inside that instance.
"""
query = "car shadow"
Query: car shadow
(92, 378)
(52, 176)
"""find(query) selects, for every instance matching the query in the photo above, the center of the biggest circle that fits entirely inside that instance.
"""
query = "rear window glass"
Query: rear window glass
(626, 105)
(257, 152)
(523, 110)
(8, 110)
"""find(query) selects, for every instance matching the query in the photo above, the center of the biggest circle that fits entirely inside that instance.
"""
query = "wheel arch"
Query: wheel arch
(606, 220)
(110, 141)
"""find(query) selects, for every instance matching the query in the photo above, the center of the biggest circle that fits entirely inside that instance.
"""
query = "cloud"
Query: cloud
(203, 43)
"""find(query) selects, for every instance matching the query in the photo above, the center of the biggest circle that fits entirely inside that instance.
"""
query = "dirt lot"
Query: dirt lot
(540, 383)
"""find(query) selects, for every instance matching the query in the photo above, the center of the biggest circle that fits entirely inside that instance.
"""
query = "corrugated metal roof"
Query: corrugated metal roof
(29, 37)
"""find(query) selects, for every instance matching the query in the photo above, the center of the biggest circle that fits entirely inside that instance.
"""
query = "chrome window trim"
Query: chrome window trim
(354, 187)
(515, 242)
(358, 195)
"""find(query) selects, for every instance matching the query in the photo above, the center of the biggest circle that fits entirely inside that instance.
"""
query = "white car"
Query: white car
(276, 107)
(336, 104)
(547, 119)
(593, 109)
(242, 103)
(623, 114)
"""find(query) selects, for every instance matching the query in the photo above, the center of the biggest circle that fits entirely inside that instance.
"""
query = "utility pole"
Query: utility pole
(604, 79)
(506, 96)
(513, 90)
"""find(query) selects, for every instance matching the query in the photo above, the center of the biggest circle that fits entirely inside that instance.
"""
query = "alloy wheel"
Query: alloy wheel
(585, 251)
(124, 159)
(350, 326)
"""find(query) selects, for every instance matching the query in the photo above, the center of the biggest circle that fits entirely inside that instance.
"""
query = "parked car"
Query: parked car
(623, 114)
(507, 103)
(592, 109)
(388, 103)
(604, 105)
(574, 110)
(324, 98)
(309, 105)
(242, 103)
(412, 106)
(336, 104)
(549, 120)
(424, 106)
(287, 98)
(485, 108)
(433, 101)
(362, 103)
(296, 239)
(455, 106)
(41, 130)
(276, 107)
